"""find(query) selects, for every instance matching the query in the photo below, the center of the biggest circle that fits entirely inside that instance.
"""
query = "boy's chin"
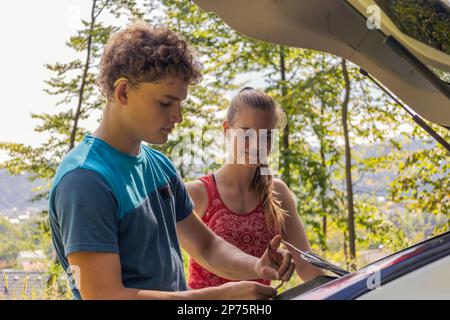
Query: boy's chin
(160, 139)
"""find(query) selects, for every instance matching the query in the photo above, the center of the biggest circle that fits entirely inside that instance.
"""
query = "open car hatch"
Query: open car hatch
(340, 27)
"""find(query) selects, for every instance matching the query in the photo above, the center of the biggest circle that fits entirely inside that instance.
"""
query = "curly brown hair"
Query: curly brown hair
(142, 53)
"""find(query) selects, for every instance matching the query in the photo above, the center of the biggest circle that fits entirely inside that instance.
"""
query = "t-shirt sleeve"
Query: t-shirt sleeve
(86, 209)
(183, 202)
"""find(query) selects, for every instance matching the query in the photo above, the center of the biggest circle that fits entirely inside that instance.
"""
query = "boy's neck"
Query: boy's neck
(116, 136)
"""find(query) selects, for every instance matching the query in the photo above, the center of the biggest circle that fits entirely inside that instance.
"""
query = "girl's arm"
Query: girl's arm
(199, 196)
(295, 232)
(222, 258)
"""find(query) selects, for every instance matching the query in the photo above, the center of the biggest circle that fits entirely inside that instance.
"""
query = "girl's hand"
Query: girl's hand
(275, 264)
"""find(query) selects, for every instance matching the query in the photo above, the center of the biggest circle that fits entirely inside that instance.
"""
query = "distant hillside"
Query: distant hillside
(378, 182)
(16, 193)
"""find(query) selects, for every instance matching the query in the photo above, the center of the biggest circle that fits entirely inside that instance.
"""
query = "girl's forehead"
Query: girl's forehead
(250, 117)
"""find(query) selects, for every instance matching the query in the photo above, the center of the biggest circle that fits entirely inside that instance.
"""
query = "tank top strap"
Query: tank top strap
(208, 181)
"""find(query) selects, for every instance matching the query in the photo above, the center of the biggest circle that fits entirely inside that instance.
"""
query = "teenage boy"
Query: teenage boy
(118, 209)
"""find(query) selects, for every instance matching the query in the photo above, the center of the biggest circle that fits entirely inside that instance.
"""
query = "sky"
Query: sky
(32, 34)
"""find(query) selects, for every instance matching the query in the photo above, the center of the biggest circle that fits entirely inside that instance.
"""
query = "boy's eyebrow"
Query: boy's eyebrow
(172, 97)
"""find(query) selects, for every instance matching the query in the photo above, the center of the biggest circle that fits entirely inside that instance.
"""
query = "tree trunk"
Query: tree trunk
(348, 163)
(286, 131)
(324, 234)
(77, 115)
(324, 187)
(346, 250)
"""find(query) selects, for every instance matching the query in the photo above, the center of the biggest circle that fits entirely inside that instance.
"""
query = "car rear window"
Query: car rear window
(424, 20)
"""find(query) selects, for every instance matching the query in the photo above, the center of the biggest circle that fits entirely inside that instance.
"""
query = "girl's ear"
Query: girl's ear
(225, 126)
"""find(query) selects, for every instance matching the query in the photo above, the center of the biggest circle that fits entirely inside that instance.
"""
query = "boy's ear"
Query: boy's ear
(121, 92)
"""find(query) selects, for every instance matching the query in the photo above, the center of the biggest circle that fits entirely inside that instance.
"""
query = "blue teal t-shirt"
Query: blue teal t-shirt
(103, 200)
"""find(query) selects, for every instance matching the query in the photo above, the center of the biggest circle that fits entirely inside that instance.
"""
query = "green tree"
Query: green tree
(423, 183)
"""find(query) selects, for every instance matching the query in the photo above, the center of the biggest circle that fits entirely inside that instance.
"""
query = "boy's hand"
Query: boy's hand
(244, 290)
(275, 264)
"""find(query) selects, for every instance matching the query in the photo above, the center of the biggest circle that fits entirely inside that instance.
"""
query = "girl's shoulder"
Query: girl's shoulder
(282, 192)
(197, 190)
(280, 186)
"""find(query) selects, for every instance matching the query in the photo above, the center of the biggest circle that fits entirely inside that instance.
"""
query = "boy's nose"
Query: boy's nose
(177, 116)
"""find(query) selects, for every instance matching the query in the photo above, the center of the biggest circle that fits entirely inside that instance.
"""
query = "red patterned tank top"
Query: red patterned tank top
(247, 231)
